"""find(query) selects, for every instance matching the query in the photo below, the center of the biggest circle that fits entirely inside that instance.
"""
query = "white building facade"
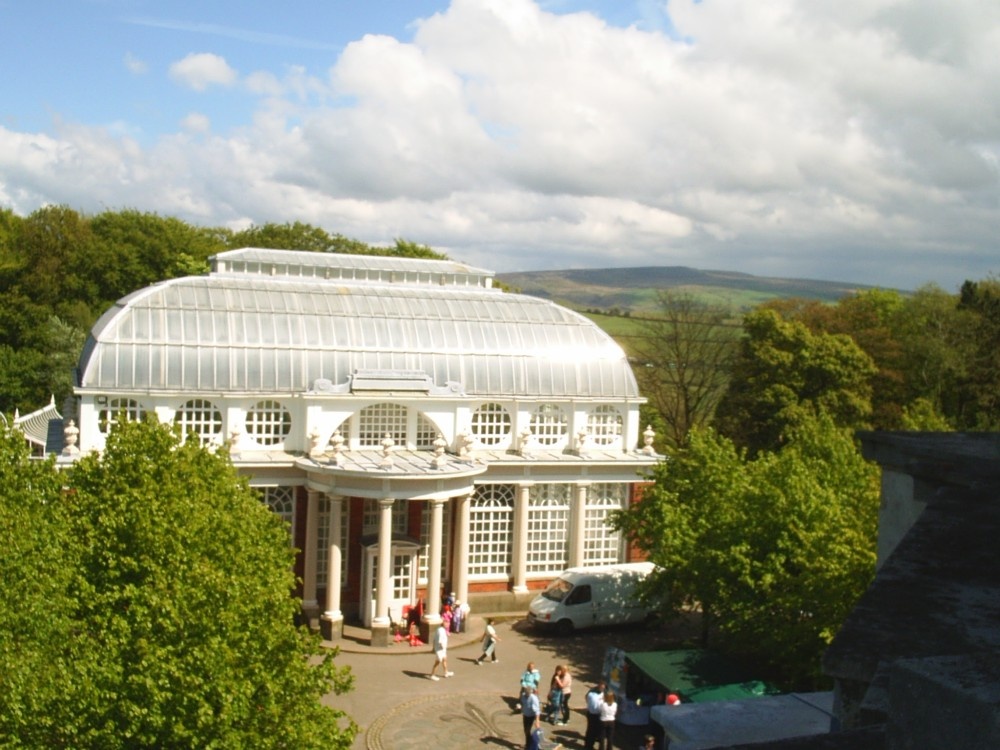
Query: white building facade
(420, 430)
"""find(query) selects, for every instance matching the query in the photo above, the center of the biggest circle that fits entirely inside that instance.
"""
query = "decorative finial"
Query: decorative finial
(439, 448)
(647, 439)
(337, 448)
(387, 445)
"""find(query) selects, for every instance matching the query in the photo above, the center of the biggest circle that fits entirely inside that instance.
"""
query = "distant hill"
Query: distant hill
(635, 289)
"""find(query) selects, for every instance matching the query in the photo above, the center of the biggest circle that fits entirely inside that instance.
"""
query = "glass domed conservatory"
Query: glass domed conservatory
(419, 430)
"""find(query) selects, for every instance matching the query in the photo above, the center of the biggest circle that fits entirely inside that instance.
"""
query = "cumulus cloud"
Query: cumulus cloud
(195, 122)
(857, 142)
(201, 70)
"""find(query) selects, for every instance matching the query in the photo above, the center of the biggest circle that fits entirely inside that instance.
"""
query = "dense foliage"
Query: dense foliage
(774, 550)
(785, 373)
(60, 270)
(147, 603)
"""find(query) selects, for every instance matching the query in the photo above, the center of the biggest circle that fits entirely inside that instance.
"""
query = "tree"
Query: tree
(297, 236)
(406, 249)
(774, 550)
(179, 616)
(785, 373)
(40, 658)
(144, 248)
(938, 342)
(684, 355)
(982, 298)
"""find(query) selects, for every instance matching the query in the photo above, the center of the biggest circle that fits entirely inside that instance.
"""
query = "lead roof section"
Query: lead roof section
(290, 318)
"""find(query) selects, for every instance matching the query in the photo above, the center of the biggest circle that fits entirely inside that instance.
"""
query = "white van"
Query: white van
(591, 597)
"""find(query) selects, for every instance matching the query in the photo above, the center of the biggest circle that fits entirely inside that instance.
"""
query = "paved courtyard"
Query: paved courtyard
(398, 707)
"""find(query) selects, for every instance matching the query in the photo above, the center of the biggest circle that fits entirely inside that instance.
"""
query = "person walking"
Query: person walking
(609, 710)
(490, 641)
(595, 697)
(531, 710)
(440, 652)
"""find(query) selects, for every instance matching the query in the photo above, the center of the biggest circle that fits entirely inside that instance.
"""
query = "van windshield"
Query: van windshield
(558, 590)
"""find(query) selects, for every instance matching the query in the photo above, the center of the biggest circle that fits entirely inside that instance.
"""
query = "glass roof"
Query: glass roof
(279, 332)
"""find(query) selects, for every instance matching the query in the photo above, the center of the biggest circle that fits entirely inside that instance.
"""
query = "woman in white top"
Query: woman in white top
(609, 710)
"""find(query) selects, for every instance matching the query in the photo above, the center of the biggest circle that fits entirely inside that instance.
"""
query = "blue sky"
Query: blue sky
(856, 142)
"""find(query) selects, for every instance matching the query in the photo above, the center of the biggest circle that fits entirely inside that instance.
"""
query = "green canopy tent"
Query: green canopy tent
(696, 675)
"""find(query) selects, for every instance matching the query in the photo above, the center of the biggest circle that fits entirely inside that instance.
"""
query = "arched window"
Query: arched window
(202, 418)
(548, 528)
(491, 425)
(548, 424)
(427, 433)
(375, 421)
(604, 425)
(281, 500)
(268, 423)
(601, 544)
(119, 410)
(491, 525)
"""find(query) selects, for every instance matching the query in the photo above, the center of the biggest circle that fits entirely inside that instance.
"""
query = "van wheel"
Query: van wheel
(564, 627)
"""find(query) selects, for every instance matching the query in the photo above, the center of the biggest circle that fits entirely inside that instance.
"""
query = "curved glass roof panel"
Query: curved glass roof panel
(280, 333)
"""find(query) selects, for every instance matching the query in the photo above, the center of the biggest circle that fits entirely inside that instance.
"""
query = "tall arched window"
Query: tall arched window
(548, 528)
(281, 500)
(601, 544)
(491, 526)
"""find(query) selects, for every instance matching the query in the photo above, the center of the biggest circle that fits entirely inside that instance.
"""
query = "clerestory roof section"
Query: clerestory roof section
(282, 332)
(351, 268)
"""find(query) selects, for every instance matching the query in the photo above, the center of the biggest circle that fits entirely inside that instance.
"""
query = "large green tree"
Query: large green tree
(42, 663)
(180, 609)
(784, 373)
(774, 550)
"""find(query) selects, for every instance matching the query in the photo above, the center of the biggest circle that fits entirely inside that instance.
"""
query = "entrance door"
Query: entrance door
(403, 581)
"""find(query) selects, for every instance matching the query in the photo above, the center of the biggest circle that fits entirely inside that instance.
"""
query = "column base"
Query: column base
(331, 626)
(382, 634)
(428, 624)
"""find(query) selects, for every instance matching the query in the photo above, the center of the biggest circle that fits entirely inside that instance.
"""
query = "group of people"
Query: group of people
(602, 706)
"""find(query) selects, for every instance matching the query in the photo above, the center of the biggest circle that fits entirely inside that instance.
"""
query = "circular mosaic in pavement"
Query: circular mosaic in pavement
(444, 722)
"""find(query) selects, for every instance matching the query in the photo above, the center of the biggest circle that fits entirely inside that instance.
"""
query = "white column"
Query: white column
(460, 560)
(384, 582)
(309, 600)
(334, 558)
(432, 614)
(578, 526)
(519, 555)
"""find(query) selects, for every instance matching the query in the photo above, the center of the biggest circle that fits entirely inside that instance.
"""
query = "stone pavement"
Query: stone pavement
(398, 707)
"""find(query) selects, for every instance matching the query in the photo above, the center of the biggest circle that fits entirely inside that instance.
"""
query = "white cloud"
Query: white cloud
(134, 65)
(201, 70)
(856, 141)
(195, 122)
